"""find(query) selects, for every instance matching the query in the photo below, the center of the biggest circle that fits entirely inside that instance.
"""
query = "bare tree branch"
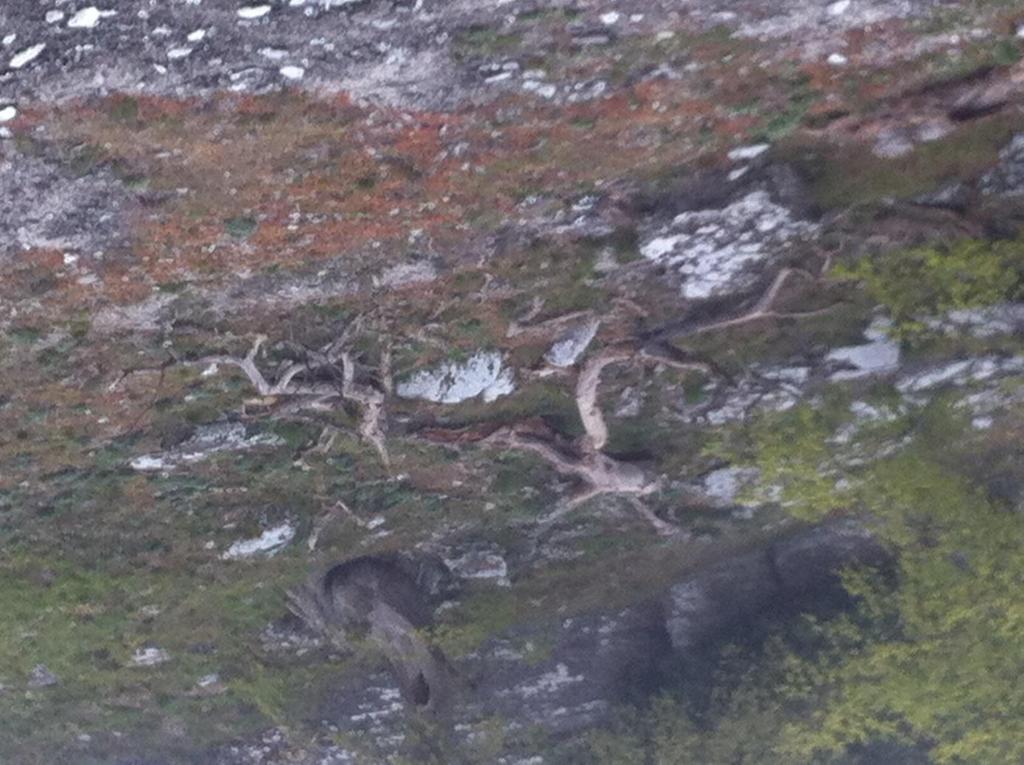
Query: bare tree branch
(287, 384)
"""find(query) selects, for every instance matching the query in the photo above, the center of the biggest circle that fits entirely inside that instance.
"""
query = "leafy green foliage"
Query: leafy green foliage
(928, 663)
(939, 662)
(796, 463)
(925, 282)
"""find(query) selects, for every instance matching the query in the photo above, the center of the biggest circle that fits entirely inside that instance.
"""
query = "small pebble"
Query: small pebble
(253, 11)
(86, 18)
(27, 56)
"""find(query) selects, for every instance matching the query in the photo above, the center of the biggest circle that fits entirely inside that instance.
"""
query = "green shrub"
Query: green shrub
(924, 282)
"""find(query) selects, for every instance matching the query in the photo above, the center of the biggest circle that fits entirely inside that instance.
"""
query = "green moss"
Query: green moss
(240, 227)
(842, 176)
(794, 457)
(926, 282)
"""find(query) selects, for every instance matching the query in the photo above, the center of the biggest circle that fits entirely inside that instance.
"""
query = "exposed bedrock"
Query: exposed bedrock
(790, 573)
(564, 675)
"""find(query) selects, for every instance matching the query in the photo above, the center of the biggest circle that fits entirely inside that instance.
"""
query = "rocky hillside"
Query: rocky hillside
(505, 381)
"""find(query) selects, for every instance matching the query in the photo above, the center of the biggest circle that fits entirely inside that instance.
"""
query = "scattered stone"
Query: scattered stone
(933, 130)
(149, 657)
(269, 543)
(27, 56)
(892, 144)
(404, 274)
(747, 153)
(879, 355)
(739, 172)
(253, 11)
(960, 373)
(611, 18)
(725, 485)
(568, 348)
(1008, 176)
(483, 563)
(629, 404)
(989, 321)
(771, 390)
(8, 113)
(542, 89)
(207, 441)
(292, 72)
(289, 637)
(864, 414)
(483, 374)
(42, 677)
(952, 196)
(87, 18)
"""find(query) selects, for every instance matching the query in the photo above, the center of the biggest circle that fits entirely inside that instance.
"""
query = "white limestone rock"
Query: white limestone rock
(268, 543)
(720, 252)
(483, 374)
(881, 354)
(568, 348)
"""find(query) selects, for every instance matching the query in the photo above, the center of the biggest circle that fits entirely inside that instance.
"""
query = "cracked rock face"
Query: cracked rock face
(593, 662)
(716, 599)
(714, 253)
(44, 207)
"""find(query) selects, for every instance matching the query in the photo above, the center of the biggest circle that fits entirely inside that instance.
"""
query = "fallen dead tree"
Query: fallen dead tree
(317, 378)
(321, 378)
(585, 459)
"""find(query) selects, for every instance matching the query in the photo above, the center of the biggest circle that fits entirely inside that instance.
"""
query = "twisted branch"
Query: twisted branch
(287, 384)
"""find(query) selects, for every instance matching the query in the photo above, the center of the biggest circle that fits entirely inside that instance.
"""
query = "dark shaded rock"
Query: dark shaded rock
(713, 600)
(568, 675)
(811, 560)
(787, 575)
(388, 598)
(595, 662)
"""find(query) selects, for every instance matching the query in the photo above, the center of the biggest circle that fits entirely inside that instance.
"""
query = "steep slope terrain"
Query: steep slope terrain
(448, 381)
